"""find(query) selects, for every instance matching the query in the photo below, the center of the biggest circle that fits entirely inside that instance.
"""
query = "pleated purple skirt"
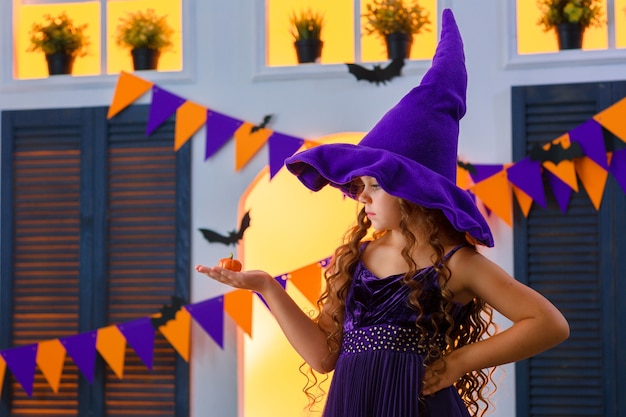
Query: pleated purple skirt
(378, 379)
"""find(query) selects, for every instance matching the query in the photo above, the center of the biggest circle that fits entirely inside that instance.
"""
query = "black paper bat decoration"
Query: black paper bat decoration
(263, 124)
(467, 166)
(168, 312)
(378, 74)
(233, 237)
(556, 153)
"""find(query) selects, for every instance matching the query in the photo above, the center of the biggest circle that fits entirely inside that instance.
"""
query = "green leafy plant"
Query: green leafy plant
(582, 12)
(144, 30)
(59, 35)
(307, 24)
(383, 17)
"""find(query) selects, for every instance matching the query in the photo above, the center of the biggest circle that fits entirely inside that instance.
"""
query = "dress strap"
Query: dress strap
(453, 251)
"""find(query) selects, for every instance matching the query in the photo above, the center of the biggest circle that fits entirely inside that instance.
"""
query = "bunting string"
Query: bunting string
(580, 154)
(110, 342)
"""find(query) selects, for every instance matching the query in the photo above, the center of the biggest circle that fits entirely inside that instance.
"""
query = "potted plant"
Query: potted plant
(569, 19)
(396, 21)
(146, 35)
(60, 40)
(306, 29)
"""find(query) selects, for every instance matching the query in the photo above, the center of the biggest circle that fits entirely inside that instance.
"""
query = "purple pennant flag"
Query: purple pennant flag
(281, 146)
(484, 172)
(164, 104)
(282, 280)
(21, 361)
(82, 349)
(526, 175)
(618, 167)
(591, 140)
(562, 192)
(139, 334)
(209, 314)
(219, 129)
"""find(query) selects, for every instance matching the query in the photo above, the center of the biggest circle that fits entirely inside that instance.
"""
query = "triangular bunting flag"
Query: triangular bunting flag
(219, 129)
(21, 361)
(565, 171)
(248, 143)
(281, 146)
(140, 334)
(612, 118)
(483, 172)
(591, 140)
(3, 368)
(308, 281)
(177, 332)
(164, 104)
(209, 314)
(189, 118)
(111, 345)
(495, 193)
(524, 201)
(593, 178)
(463, 178)
(82, 349)
(238, 305)
(526, 175)
(50, 359)
(562, 192)
(128, 89)
(618, 167)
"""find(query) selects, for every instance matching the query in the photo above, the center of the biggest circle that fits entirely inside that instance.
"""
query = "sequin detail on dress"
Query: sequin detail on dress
(384, 337)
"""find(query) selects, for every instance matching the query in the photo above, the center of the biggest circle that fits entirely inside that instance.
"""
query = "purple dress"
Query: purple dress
(380, 369)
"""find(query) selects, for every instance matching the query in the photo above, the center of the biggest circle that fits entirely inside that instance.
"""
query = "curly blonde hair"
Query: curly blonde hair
(473, 323)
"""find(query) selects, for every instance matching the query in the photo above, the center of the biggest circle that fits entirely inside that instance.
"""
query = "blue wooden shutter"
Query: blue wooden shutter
(95, 231)
(574, 260)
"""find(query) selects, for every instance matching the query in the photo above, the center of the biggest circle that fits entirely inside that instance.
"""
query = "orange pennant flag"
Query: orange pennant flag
(248, 143)
(565, 171)
(189, 118)
(308, 281)
(238, 305)
(524, 201)
(178, 332)
(463, 178)
(612, 118)
(593, 177)
(3, 368)
(111, 344)
(128, 89)
(495, 193)
(50, 359)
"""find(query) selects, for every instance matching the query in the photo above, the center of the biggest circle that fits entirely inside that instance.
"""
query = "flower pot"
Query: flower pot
(398, 45)
(59, 63)
(308, 50)
(145, 58)
(569, 35)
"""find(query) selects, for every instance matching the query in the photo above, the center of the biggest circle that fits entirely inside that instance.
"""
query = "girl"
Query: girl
(405, 318)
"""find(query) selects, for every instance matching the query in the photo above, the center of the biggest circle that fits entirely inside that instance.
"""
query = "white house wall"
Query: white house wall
(224, 64)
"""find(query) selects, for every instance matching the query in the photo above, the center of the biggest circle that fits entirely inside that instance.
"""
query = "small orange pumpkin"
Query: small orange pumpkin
(230, 263)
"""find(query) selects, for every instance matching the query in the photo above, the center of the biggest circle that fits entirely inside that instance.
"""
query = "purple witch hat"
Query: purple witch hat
(412, 150)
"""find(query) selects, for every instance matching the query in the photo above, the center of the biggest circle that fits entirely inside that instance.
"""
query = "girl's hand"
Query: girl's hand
(441, 374)
(250, 280)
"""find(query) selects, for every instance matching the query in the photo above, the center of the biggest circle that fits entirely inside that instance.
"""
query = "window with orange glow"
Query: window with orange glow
(344, 40)
(532, 39)
(105, 56)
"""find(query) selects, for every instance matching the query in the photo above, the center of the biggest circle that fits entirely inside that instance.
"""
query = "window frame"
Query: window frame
(563, 59)
(58, 82)
(316, 71)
